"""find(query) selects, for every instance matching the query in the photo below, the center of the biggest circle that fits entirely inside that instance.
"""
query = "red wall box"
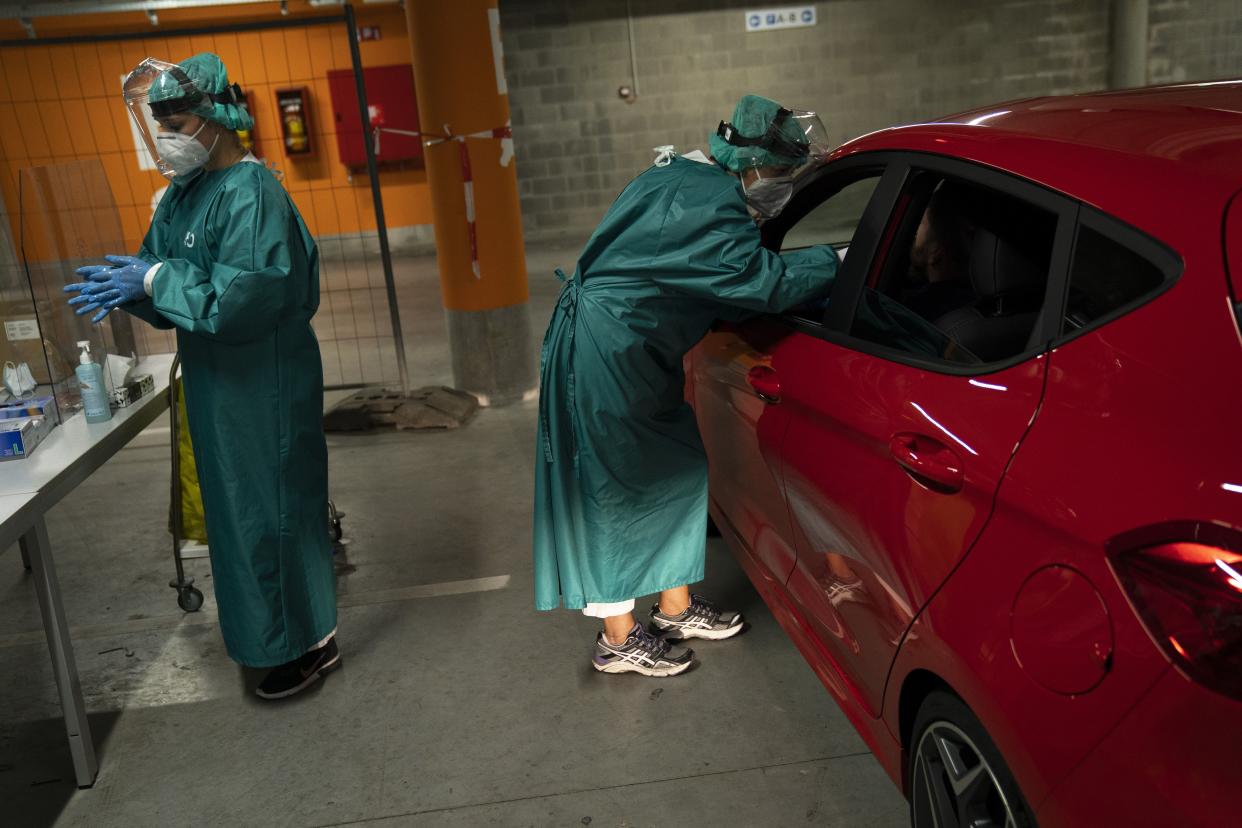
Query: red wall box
(390, 98)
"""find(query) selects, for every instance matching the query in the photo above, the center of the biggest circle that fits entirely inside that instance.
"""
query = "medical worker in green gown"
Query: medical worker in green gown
(230, 264)
(621, 477)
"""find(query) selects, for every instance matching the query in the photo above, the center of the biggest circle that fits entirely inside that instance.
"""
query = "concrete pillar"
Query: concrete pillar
(460, 83)
(1129, 54)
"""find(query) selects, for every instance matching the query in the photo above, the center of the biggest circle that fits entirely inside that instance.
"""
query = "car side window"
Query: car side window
(961, 275)
(834, 220)
(1106, 276)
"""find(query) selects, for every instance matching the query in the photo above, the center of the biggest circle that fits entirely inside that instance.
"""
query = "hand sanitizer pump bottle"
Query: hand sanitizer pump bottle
(91, 383)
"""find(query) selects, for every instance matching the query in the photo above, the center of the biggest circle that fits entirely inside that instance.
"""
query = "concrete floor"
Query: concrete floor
(458, 705)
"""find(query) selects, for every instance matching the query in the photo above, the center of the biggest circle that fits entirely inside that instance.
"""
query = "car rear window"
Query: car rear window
(963, 276)
(1106, 277)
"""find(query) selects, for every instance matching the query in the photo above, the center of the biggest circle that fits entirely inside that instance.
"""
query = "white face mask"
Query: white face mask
(768, 196)
(183, 153)
(18, 379)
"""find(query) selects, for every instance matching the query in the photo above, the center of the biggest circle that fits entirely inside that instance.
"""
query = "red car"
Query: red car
(992, 488)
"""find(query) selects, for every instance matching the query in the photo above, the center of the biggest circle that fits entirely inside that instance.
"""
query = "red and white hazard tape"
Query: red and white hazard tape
(504, 134)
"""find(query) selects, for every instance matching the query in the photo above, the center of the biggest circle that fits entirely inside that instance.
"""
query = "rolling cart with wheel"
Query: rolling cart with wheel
(189, 597)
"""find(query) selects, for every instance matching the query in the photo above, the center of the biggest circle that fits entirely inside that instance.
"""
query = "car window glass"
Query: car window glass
(961, 275)
(1106, 276)
(835, 219)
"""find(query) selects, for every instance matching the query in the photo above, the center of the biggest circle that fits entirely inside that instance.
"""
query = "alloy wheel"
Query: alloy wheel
(953, 786)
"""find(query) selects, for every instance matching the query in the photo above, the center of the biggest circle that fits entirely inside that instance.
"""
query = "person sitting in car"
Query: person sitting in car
(940, 256)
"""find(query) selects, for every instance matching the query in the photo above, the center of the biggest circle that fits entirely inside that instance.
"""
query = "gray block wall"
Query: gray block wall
(868, 64)
(1193, 40)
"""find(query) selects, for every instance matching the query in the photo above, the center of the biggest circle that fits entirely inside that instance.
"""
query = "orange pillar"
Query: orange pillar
(460, 82)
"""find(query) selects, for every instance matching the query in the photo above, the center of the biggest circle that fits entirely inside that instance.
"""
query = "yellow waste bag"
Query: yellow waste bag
(193, 523)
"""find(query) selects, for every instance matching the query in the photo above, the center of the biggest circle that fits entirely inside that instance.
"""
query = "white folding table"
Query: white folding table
(28, 489)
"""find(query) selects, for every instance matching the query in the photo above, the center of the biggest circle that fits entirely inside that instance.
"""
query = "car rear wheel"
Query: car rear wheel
(956, 775)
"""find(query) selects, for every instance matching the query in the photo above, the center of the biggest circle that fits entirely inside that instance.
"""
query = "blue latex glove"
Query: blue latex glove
(109, 287)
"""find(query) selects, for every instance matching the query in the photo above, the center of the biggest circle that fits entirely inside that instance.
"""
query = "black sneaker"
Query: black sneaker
(297, 675)
(643, 653)
(701, 619)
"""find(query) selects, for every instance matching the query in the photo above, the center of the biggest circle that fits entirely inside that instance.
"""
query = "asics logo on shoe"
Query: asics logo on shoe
(635, 658)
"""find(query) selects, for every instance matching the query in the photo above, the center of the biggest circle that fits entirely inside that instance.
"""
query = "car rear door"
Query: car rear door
(898, 437)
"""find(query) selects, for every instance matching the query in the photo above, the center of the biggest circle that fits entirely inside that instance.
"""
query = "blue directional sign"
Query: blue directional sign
(787, 17)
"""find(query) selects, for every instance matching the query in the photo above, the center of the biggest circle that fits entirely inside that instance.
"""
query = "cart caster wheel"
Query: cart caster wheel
(190, 600)
(335, 531)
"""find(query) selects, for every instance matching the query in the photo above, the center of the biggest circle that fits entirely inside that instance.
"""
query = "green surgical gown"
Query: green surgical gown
(240, 282)
(621, 476)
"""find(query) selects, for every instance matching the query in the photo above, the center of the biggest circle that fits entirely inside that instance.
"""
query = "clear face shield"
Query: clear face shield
(167, 108)
(774, 165)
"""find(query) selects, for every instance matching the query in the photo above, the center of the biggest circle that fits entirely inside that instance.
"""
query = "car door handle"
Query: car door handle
(929, 461)
(765, 382)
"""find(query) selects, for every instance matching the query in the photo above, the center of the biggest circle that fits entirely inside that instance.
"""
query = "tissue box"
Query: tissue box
(127, 394)
(19, 437)
(33, 407)
(132, 391)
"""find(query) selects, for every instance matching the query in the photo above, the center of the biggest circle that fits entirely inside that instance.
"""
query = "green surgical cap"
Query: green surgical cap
(751, 117)
(207, 72)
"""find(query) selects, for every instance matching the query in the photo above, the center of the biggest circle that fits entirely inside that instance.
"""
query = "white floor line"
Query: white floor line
(207, 615)
(382, 596)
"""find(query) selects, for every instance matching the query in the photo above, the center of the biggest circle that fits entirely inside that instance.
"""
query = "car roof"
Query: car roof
(1177, 145)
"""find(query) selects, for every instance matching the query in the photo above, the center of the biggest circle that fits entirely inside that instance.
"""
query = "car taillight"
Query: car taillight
(1189, 596)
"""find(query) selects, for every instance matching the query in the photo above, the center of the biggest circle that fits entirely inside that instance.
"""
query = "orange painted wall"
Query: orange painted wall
(63, 103)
